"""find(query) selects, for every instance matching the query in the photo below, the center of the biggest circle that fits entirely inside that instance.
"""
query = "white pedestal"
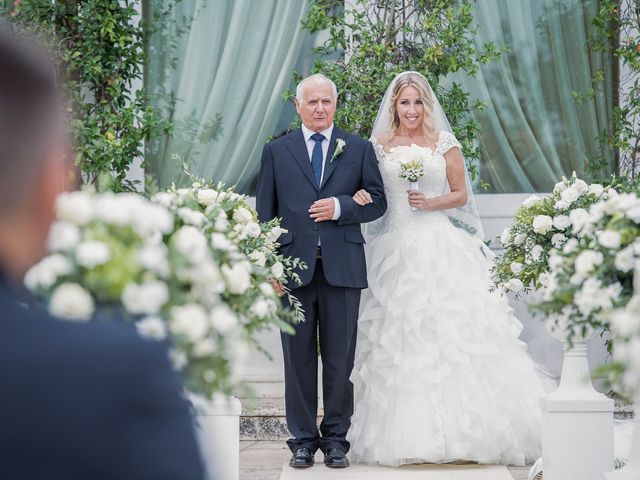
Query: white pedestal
(631, 471)
(577, 424)
(217, 424)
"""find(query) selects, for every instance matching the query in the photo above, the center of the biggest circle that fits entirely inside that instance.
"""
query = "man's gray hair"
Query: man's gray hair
(315, 79)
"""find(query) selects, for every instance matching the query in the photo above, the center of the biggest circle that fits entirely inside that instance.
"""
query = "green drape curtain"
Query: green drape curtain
(218, 70)
(533, 131)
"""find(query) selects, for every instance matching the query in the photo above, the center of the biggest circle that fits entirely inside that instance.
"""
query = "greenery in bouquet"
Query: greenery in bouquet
(191, 266)
(591, 283)
(544, 224)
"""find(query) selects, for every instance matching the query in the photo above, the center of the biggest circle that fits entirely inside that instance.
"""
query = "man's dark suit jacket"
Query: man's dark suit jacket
(88, 402)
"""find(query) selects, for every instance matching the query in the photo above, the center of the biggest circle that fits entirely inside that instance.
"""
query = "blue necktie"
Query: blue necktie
(316, 157)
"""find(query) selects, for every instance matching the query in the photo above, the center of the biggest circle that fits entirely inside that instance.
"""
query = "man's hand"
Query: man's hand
(362, 197)
(277, 287)
(322, 210)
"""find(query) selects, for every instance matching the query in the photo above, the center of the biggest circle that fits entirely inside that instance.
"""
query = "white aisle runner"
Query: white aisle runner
(407, 472)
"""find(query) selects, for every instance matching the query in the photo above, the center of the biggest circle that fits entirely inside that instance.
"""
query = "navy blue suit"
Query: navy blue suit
(330, 291)
(88, 401)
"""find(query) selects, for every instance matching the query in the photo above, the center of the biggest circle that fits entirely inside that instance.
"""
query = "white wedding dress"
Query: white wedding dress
(440, 374)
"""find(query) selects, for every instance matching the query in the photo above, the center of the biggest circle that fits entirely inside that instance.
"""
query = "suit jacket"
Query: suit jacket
(88, 401)
(287, 189)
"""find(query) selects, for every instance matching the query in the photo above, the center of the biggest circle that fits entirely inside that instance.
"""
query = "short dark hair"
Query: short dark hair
(30, 120)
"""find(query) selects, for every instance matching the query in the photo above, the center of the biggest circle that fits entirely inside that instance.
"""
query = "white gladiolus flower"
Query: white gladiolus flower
(147, 298)
(519, 239)
(191, 243)
(560, 187)
(92, 253)
(192, 217)
(596, 189)
(514, 284)
(277, 270)
(45, 273)
(609, 239)
(570, 246)
(152, 327)
(561, 222)
(71, 301)
(189, 320)
(625, 259)
(542, 224)
(587, 260)
(223, 319)
(505, 237)
(219, 241)
(75, 207)
(558, 239)
(516, 267)
(242, 215)
(258, 257)
(536, 252)
(237, 278)
(207, 196)
(63, 237)
(531, 201)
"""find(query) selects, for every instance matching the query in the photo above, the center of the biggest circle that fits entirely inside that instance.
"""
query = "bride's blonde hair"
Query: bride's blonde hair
(420, 84)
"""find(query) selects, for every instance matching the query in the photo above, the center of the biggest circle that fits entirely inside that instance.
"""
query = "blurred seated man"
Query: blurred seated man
(77, 401)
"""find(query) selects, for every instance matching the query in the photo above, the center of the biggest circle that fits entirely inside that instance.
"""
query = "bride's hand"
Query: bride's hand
(362, 197)
(418, 200)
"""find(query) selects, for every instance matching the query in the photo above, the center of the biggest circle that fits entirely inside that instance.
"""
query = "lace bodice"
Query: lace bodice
(433, 183)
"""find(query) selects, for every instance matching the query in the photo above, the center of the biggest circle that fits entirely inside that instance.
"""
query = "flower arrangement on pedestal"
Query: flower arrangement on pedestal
(191, 265)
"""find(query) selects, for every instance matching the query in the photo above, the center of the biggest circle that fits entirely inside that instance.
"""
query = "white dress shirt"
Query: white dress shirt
(325, 149)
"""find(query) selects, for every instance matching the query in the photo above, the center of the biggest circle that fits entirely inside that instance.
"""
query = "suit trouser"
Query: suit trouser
(334, 311)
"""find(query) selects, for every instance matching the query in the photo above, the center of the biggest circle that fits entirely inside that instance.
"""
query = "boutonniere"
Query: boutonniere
(340, 145)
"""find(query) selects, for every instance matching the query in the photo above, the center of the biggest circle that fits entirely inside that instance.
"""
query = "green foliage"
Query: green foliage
(377, 40)
(98, 47)
(617, 32)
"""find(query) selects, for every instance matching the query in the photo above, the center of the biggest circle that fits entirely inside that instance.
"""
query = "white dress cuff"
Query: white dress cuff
(336, 210)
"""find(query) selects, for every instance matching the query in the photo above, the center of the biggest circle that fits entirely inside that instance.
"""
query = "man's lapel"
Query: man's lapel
(300, 153)
(330, 166)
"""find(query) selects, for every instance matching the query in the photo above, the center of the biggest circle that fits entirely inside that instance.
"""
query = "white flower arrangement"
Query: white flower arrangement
(191, 266)
(542, 224)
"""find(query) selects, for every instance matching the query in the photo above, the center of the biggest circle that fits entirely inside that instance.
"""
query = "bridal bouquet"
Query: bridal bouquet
(412, 169)
(591, 280)
(543, 224)
(191, 266)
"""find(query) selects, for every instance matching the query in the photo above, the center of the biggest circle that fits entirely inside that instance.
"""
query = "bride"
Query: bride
(440, 374)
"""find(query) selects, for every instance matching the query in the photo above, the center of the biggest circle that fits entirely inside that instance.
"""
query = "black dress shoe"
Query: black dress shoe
(335, 458)
(301, 458)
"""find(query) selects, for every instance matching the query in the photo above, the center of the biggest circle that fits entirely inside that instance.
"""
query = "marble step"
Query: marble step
(264, 418)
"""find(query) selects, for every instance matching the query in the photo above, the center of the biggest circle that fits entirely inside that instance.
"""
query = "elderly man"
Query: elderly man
(77, 401)
(308, 178)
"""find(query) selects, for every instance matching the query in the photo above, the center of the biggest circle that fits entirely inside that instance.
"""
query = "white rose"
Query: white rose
(146, 298)
(266, 289)
(45, 273)
(542, 224)
(519, 239)
(596, 189)
(516, 267)
(277, 270)
(274, 234)
(570, 195)
(152, 327)
(223, 319)
(191, 243)
(505, 237)
(579, 218)
(178, 359)
(581, 186)
(92, 253)
(570, 246)
(251, 229)
(634, 214)
(258, 257)
(152, 220)
(192, 217)
(163, 198)
(242, 215)
(536, 252)
(514, 284)
(625, 259)
(220, 241)
(154, 258)
(561, 222)
(560, 187)
(263, 307)
(555, 261)
(561, 205)
(587, 260)
(609, 239)
(205, 348)
(116, 208)
(531, 201)
(75, 207)
(63, 237)
(544, 279)
(190, 321)
(207, 196)
(557, 240)
(625, 323)
(71, 301)
(237, 278)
